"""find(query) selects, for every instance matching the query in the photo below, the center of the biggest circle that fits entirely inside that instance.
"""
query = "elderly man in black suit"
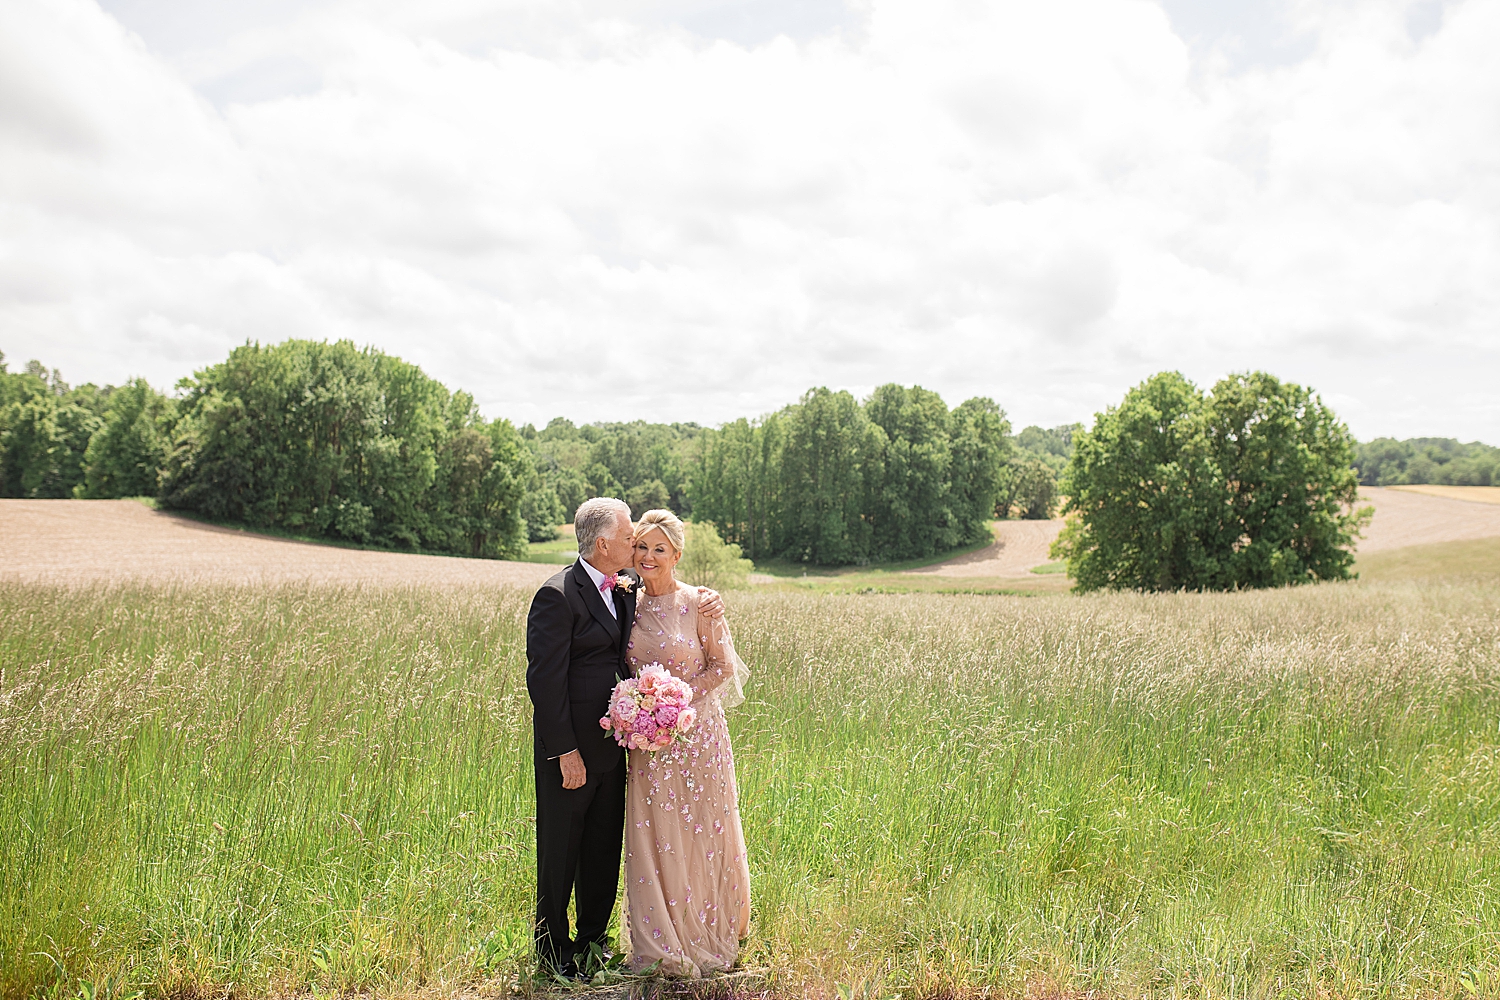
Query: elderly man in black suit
(575, 653)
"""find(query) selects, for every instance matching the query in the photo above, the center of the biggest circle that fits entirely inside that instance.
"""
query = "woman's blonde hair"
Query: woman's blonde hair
(669, 523)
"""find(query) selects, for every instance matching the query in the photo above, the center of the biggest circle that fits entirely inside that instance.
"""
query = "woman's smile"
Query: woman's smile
(655, 558)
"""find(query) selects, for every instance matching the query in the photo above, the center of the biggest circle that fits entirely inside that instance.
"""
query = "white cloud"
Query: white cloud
(592, 209)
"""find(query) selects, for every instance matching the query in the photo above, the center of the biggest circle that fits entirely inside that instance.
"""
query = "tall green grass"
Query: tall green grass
(249, 791)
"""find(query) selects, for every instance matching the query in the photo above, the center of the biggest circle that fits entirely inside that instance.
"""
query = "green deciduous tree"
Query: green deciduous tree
(1248, 487)
(542, 511)
(709, 561)
(613, 459)
(45, 429)
(651, 495)
(484, 469)
(333, 440)
(1444, 461)
(127, 451)
(1031, 477)
(1029, 489)
(829, 481)
(910, 516)
(47, 439)
(980, 444)
(738, 485)
(831, 467)
(1286, 465)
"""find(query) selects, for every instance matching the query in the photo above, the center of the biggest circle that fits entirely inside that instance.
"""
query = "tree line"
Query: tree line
(1251, 484)
(330, 440)
(1442, 461)
(649, 466)
(326, 440)
(831, 480)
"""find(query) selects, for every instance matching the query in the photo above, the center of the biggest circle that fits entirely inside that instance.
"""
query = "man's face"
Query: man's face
(613, 549)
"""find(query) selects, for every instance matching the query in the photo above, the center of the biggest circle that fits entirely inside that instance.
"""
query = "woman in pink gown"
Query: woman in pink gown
(687, 883)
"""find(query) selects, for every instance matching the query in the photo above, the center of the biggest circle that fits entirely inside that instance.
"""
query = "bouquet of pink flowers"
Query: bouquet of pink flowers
(650, 712)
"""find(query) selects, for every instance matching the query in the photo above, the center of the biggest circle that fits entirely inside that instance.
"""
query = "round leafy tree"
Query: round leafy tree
(1249, 486)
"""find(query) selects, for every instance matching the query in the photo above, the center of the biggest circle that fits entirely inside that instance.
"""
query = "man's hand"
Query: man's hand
(710, 604)
(573, 771)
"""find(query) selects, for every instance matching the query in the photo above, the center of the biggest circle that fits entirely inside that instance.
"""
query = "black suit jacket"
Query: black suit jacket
(575, 652)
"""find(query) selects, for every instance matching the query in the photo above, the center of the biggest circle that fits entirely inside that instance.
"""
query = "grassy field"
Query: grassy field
(561, 551)
(238, 792)
(1480, 556)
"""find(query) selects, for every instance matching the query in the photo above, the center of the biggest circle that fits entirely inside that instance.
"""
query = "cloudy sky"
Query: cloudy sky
(696, 209)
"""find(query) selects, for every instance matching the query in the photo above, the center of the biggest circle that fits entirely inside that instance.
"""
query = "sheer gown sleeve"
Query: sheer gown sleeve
(723, 670)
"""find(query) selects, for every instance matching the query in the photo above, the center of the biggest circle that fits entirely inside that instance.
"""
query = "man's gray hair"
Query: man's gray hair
(595, 518)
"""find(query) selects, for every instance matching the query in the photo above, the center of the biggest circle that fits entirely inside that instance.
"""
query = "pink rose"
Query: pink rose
(604, 723)
(686, 718)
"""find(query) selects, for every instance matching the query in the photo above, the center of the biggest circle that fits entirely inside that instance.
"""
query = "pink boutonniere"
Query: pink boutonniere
(624, 584)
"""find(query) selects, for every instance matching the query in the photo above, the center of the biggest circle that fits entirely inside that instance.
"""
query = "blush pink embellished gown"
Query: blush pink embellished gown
(687, 883)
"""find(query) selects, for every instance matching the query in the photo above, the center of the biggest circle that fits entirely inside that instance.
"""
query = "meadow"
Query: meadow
(223, 791)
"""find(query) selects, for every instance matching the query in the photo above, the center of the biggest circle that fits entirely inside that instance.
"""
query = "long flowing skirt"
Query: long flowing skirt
(687, 883)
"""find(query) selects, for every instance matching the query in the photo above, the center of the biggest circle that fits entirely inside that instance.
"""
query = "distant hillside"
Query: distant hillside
(1440, 461)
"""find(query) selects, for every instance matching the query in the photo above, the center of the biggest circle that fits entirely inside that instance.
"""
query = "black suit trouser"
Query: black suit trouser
(579, 836)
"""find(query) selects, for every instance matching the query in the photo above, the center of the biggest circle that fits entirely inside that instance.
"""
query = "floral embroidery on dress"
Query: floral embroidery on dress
(693, 857)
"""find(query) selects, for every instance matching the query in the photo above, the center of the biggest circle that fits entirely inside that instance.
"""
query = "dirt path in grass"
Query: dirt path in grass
(85, 541)
(1019, 545)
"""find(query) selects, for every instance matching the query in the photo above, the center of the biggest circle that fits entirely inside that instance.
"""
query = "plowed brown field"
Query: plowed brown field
(1402, 517)
(1478, 494)
(1405, 518)
(75, 541)
(86, 541)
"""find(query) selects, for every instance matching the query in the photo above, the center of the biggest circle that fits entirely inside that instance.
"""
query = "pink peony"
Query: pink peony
(650, 711)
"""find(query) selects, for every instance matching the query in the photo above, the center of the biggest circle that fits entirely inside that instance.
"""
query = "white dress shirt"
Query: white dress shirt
(608, 595)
